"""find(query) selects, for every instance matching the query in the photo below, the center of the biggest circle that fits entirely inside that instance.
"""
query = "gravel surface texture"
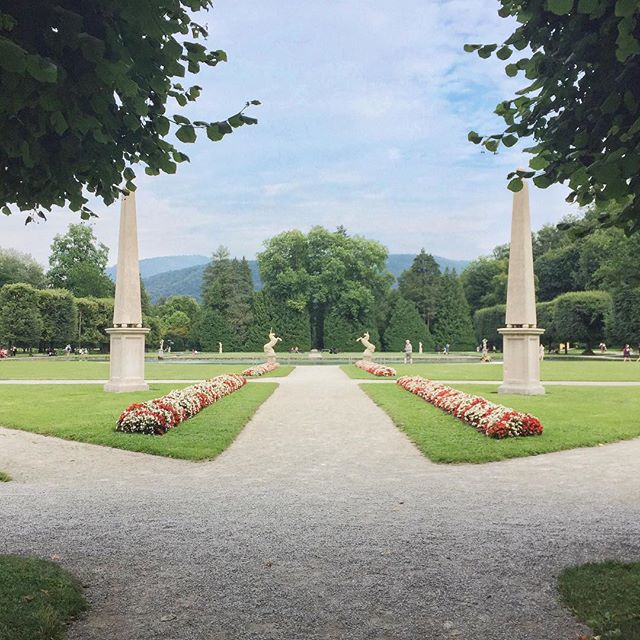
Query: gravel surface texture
(321, 521)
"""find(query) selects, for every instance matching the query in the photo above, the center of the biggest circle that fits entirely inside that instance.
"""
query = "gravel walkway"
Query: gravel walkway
(321, 521)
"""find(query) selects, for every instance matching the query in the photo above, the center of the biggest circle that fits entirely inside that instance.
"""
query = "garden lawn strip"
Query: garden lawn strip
(44, 409)
(37, 599)
(551, 370)
(60, 369)
(606, 596)
(572, 417)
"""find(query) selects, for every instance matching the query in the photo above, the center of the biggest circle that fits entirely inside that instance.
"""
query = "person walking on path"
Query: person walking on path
(626, 353)
(408, 352)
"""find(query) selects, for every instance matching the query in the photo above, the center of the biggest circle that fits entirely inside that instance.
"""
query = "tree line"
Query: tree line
(320, 290)
(588, 286)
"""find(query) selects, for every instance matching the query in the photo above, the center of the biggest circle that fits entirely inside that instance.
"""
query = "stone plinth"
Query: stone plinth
(521, 368)
(126, 369)
(314, 354)
(272, 359)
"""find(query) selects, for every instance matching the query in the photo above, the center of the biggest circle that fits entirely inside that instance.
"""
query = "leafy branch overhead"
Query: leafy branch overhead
(581, 104)
(89, 89)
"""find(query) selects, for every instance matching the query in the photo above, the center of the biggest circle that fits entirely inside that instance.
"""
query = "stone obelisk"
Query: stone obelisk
(127, 334)
(521, 371)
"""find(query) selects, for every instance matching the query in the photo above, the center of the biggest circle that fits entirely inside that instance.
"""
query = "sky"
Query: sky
(366, 106)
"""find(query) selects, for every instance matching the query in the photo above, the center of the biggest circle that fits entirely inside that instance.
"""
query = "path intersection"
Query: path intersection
(321, 521)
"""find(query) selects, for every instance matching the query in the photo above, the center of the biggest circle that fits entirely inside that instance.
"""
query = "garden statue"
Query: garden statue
(485, 351)
(219, 347)
(419, 347)
(161, 350)
(268, 348)
(368, 347)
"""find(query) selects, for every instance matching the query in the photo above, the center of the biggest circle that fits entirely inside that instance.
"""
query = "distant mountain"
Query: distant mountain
(187, 281)
(151, 266)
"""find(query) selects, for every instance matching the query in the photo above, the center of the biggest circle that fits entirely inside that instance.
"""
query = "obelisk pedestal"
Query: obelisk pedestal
(521, 336)
(126, 368)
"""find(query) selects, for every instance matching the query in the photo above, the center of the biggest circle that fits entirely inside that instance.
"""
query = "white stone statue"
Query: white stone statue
(419, 347)
(268, 348)
(219, 347)
(369, 348)
(161, 350)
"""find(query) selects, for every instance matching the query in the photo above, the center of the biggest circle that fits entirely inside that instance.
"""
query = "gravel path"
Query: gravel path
(321, 521)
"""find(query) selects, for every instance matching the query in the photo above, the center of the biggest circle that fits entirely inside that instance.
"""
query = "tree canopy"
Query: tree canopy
(90, 89)
(581, 102)
(19, 267)
(77, 262)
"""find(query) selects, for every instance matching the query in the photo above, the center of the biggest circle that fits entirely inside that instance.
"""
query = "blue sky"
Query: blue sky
(366, 109)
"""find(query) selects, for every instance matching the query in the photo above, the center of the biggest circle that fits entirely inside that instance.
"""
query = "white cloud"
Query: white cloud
(366, 109)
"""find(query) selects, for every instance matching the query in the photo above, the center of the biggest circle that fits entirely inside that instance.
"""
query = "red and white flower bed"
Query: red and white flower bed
(376, 369)
(260, 369)
(159, 415)
(494, 420)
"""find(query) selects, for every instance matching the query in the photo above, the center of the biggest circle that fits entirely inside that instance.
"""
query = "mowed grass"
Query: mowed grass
(551, 370)
(571, 416)
(37, 599)
(87, 414)
(60, 369)
(605, 596)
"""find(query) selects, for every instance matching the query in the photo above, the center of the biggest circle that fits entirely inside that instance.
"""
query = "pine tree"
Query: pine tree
(293, 326)
(212, 327)
(341, 333)
(261, 324)
(419, 283)
(406, 323)
(452, 323)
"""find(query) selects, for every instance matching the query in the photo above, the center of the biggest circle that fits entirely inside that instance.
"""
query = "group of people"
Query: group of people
(7, 353)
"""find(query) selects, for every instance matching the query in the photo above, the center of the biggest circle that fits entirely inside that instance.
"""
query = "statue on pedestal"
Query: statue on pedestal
(369, 348)
(268, 348)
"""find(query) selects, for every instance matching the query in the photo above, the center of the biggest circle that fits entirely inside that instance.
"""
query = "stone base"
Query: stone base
(126, 362)
(272, 360)
(521, 367)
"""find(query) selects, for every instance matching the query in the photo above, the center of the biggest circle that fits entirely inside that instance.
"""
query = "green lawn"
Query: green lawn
(605, 596)
(571, 416)
(60, 369)
(4, 477)
(37, 599)
(87, 414)
(579, 370)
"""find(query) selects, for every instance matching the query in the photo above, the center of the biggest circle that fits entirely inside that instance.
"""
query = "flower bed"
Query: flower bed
(260, 369)
(494, 420)
(376, 369)
(159, 415)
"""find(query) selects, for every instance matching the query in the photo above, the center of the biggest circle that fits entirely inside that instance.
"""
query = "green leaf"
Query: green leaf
(162, 125)
(6, 210)
(128, 174)
(12, 57)
(560, 7)
(470, 48)
(235, 121)
(474, 137)
(515, 185)
(504, 53)
(181, 119)
(538, 163)
(248, 119)
(509, 140)
(186, 133)
(213, 133)
(92, 48)
(491, 145)
(220, 55)
(58, 122)
(542, 181)
(588, 6)
(41, 69)
(511, 70)
(486, 50)
(626, 8)
(256, 102)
